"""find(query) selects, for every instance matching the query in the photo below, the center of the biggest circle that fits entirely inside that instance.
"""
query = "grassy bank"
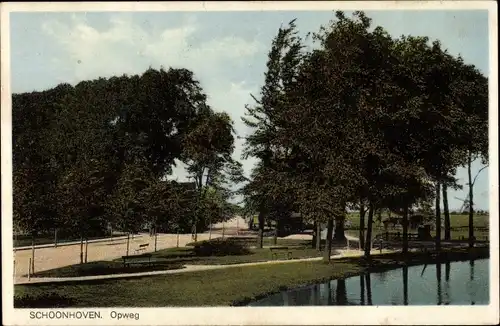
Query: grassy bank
(225, 287)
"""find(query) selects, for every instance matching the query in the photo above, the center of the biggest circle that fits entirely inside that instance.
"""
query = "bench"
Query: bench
(275, 254)
(138, 260)
(142, 247)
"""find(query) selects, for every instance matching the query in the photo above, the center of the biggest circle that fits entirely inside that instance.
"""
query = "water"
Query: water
(457, 283)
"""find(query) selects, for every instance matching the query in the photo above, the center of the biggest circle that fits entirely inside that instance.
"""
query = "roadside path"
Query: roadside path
(189, 268)
(71, 243)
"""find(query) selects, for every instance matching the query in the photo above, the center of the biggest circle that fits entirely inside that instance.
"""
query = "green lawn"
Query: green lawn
(230, 286)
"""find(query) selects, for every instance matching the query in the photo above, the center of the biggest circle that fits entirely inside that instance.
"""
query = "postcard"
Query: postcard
(250, 163)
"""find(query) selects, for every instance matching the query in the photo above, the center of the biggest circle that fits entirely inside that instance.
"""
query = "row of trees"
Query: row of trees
(363, 121)
(98, 154)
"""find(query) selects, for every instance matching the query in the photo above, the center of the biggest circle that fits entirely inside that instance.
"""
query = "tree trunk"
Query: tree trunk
(81, 249)
(260, 243)
(275, 236)
(318, 237)
(447, 222)
(438, 216)
(315, 234)
(405, 230)
(128, 242)
(368, 242)
(362, 226)
(210, 230)
(32, 267)
(328, 244)
(156, 239)
(471, 201)
(86, 249)
(339, 228)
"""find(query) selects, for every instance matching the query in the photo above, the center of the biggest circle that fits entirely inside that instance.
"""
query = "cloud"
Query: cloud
(125, 47)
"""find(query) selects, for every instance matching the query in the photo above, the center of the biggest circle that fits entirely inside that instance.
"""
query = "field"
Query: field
(460, 220)
(459, 226)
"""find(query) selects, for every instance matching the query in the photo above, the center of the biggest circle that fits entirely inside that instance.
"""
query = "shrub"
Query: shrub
(219, 247)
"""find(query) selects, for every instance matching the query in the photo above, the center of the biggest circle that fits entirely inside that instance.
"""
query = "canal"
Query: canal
(455, 283)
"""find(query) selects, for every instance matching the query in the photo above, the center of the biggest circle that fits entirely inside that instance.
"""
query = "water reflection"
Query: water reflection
(341, 293)
(362, 289)
(369, 288)
(464, 283)
(438, 281)
(405, 285)
(471, 288)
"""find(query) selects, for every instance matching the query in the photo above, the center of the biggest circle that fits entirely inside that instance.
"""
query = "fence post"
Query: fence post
(29, 270)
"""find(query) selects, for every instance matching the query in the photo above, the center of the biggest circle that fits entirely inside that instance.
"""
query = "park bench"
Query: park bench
(144, 259)
(142, 247)
(275, 250)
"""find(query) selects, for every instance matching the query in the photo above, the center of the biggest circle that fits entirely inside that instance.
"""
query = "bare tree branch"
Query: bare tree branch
(477, 174)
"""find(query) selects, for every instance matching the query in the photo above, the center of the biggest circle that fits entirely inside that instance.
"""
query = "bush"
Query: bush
(219, 247)
(49, 300)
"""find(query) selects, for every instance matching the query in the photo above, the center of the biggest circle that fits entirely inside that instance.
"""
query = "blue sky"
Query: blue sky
(227, 51)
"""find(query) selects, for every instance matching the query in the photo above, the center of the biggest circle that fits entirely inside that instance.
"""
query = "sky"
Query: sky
(227, 51)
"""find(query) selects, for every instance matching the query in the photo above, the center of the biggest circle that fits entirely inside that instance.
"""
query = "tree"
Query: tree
(207, 149)
(266, 117)
(471, 90)
(35, 171)
(129, 203)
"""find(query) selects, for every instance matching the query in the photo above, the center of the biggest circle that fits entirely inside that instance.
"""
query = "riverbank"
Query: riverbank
(234, 286)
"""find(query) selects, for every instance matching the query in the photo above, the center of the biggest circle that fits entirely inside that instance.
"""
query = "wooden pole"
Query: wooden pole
(177, 238)
(86, 249)
(55, 238)
(128, 242)
(32, 259)
(29, 270)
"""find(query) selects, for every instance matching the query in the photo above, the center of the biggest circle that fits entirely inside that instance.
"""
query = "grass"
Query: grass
(104, 268)
(230, 286)
(459, 234)
(207, 288)
(456, 220)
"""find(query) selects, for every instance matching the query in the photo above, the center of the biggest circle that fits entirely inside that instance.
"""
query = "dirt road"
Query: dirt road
(51, 257)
